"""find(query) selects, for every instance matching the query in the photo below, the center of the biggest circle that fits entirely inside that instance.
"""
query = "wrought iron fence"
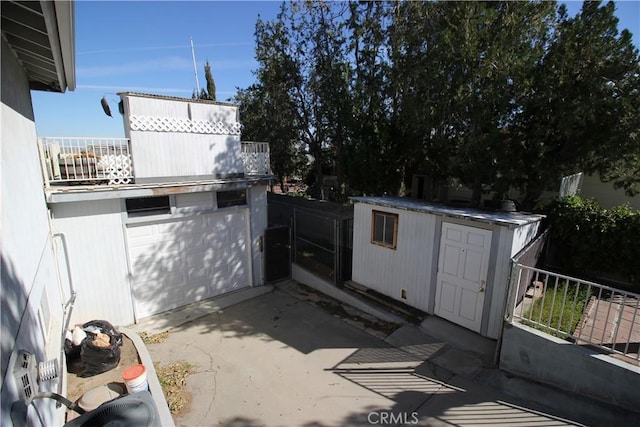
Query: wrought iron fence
(580, 311)
(86, 160)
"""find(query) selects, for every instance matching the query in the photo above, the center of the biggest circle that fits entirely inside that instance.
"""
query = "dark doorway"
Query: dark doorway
(277, 253)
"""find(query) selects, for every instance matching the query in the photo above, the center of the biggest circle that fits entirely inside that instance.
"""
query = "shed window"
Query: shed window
(384, 229)
(143, 206)
(231, 198)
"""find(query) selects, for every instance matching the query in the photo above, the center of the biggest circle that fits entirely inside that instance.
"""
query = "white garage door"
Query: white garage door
(462, 274)
(180, 262)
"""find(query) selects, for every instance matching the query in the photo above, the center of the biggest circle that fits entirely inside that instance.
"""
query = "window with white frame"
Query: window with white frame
(384, 229)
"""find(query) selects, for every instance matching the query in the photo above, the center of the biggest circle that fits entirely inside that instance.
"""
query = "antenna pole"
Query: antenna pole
(195, 68)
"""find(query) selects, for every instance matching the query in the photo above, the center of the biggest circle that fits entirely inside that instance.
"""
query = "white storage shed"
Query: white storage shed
(448, 261)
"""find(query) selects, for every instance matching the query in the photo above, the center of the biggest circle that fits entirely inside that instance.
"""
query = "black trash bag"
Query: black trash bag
(72, 352)
(95, 359)
(104, 327)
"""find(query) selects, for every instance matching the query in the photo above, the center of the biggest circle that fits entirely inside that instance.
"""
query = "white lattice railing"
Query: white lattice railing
(255, 156)
(184, 125)
(86, 160)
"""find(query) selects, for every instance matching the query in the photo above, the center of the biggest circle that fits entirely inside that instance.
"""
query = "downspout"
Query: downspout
(67, 309)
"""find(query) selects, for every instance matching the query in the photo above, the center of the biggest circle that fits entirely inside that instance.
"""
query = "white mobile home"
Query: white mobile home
(171, 215)
(451, 262)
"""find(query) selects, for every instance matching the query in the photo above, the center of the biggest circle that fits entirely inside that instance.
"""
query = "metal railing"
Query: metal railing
(86, 160)
(580, 311)
(255, 157)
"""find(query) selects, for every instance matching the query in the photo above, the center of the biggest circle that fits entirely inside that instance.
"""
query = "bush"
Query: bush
(591, 241)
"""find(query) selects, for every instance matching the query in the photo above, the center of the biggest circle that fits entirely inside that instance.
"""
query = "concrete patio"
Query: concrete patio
(284, 359)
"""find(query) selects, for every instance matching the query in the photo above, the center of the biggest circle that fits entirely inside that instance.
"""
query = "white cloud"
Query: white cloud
(125, 88)
(138, 67)
(186, 47)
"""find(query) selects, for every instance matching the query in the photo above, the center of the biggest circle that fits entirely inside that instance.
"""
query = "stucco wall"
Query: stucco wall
(29, 279)
(529, 353)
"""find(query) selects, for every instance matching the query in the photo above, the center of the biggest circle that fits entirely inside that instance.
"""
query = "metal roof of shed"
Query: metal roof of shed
(495, 217)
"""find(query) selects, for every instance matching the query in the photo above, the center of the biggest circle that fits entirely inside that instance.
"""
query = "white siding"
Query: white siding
(522, 236)
(257, 196)
(177, 262)
(96, 246)
(411, 266)
(499, 283)
(28, 266)
(165, 154)
(407, 267)
(195, 202)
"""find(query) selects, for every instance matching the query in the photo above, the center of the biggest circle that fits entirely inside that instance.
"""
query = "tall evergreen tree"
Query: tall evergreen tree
(211, 84)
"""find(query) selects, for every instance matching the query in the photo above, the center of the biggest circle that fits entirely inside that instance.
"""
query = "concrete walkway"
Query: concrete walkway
(276, 360)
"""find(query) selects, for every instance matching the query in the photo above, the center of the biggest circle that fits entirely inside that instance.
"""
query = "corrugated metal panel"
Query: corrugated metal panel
(97, 250)
(407, 267)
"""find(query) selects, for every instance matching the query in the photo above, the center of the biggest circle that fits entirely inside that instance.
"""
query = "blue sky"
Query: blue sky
(145, 47)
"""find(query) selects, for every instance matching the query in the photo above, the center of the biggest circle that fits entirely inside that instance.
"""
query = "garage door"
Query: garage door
(179, 262)
(462, 274)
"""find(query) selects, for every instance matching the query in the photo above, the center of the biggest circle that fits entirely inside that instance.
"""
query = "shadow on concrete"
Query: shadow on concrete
(294, 323)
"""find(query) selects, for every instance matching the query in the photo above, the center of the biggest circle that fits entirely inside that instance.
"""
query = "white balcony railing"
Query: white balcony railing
(86, 160)
(583, 312)
(255, 156)
(108, 160)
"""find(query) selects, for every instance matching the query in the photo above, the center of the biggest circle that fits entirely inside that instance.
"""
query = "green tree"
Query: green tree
(210, 92)
(495, 95)
(211, 84)
(581, 112)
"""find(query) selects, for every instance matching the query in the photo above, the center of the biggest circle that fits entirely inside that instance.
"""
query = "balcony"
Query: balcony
(86, 161)
(110, 161)
(255, 157)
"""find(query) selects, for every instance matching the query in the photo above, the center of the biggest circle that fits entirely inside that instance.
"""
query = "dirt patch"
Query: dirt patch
(154, 338)
(173, 379)
(77, 385)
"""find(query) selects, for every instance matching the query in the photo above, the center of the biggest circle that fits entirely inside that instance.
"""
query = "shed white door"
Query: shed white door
(462, 274)
(180, 262)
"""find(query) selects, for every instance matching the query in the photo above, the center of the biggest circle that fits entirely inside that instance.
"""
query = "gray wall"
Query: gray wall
(529, 353)
(31, 299)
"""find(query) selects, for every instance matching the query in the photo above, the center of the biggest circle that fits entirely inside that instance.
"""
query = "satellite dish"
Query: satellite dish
(105, 106)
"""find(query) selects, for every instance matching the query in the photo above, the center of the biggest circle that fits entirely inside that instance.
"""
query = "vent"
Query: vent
(49, 370)
(25, 374)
